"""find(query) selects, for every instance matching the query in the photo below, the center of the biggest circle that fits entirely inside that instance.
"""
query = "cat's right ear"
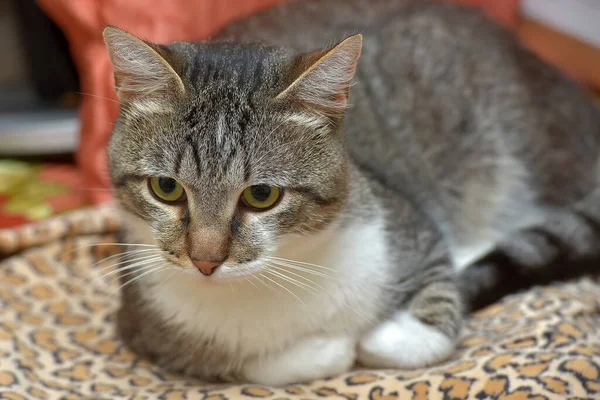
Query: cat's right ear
(323, 83)
(142, 74)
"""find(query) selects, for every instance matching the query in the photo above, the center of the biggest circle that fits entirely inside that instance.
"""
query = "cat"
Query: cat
(296, 207)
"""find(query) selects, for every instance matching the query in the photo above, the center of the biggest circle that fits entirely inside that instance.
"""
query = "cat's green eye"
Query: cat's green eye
(261, 197)
(166, 189)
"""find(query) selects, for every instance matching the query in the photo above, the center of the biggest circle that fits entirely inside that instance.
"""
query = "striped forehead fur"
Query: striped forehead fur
(229, 129)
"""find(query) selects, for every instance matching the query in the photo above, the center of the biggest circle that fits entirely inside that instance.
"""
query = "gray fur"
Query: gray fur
(485, 139)
(476, 150)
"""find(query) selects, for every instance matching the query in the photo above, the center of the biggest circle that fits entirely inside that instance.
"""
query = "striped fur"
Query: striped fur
(453, 161)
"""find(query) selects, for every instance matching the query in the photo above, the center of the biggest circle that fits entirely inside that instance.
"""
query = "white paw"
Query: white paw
(404, 342)
(310, 359)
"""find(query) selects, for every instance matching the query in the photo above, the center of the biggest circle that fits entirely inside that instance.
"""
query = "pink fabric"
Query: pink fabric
(157, 21)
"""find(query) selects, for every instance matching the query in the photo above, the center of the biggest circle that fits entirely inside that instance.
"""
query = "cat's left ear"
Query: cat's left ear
(142, 73)
(324, 81)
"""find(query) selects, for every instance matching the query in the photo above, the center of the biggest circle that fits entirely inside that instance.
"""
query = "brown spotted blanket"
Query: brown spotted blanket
(57, 336)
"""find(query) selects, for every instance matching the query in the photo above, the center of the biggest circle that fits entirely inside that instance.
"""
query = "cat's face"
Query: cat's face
(229, 154)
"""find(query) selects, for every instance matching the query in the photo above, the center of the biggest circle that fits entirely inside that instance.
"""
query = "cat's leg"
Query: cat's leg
(423, 333)
(566, 245)
(307, 360)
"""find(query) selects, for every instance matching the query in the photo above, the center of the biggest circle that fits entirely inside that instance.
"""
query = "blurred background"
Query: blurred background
(39, 126)
(57, 101)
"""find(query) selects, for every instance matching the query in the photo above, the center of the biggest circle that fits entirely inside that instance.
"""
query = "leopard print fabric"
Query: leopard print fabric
(57, 337)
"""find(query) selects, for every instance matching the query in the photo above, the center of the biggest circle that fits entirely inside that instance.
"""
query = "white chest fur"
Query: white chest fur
(261, 317)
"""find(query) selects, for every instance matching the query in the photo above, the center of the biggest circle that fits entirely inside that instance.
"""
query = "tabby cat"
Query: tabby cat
(295, 207)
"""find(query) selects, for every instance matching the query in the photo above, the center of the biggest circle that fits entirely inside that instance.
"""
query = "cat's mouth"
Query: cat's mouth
(225, 272)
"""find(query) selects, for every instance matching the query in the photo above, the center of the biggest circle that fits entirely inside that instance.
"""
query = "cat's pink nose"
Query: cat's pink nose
(206, 267)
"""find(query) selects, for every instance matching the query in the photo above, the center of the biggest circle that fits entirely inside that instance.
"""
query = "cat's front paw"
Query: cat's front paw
(308, 360)
(404, 342)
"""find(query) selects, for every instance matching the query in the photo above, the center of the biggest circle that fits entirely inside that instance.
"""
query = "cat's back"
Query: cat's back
(440, 85)
(307, 25)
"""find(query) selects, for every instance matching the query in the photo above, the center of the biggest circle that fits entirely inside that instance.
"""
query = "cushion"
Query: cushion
(57, 335)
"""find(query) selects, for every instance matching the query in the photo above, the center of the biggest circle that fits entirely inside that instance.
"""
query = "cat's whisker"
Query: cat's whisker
(324, 291)
(137, 266)
(94, 271)
(132, 266)
(310, 229)
(110, 244)
(303, 269)
(131, 258)
(274, 289)
(264, 283)
(301, 231)
(370, 321)
(101, 275)
(123, 244)
(286, 272)
(252, 283)
(125, 254)
(156, 269)
(257, 278)
(294, 262)
(283, 274)
(295, 282)
(138, 270)
(283, 287)
(298, 262)
(76, 282)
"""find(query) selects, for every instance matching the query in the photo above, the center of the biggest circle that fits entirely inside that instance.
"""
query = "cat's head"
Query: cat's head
(222, 149)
